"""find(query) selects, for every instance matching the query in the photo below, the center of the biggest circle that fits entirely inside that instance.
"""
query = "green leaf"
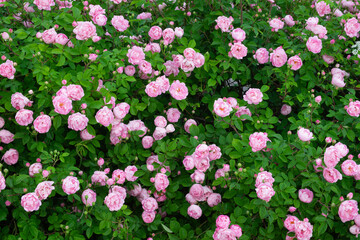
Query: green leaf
(57, 122)
(263, 212)
(236, 143)
(264, 88)
(194, 130)
(166, 228)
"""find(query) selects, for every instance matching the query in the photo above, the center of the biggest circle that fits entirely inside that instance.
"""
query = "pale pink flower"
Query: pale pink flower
(19, 101)
(276, 24)
(11, 156)
(155, 32)
(253, 96)
(7, 69)
(352, 27)
(265, 192)
(114, 201)
(42, 124)
(306, 195)
(168, 35)
(104, 116)
(314, 44)
(348, 210)
(278, 57)
(44, 189)
(24, 117)
(85, 30)
(258, 140)
(161, 182)
(332, 175)
(238, 34)
(70, 185)
(322, 8)
(262, 55)
(303, 230)
(62, 104)
(44, 4)
(120, 23)
(295, 62)
(304, 134)
(194, 211)
(178, 90)
(224, 23)
(148, 217)
(88, 197)
(238, 50)
(34, 169)
(222, 108)
(30, 202)
(75, 92)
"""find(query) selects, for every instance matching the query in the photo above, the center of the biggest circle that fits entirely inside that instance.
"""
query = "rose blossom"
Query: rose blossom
(150, 204)
(194, 211)
(295, 62)
(163, 83)
(159, 133)
(332, 175)
(155, 32)
(148, 217)
(349, 167)
(61, 39)
(114, 201)
(222, 222)
(238, 50)
(75, 92)
(303, 230)
(147, 142)
(290, 222)
(120, 23)
(84, 30)
(262, 55)
(258, 140)
(352, 27)
(304, 134)
(70, 185)
(34, 169)
(88, 197)
(348, 210)
(44, 189)
(85, 135)
(11, 156)
(161, 182)
(306, 195)
(99, 177)
(222, 108)
(328, 59)
(62, 104)
(19, 101)
(7, 69)
(253, 96)
(179, 32)
(121, 110)
(224, 23)
(100, 19)
(278, 57)
(276, 24)
(30, 202)
(24, 117)
(238, 34)
(42, 124)
(178, 90)
(342, 149)
(314, 44)
(173, 115)
(2, 182)
(129, 173)
(213, 199)
(322, 8)
(44, 4)
(197, 192)
(264, 177)
(198, 176)
(289, 20)
(130, 70)
(285, 109)
(104, 116)
(77, 121)
(135, 55)
(168, 35)
(265, 192)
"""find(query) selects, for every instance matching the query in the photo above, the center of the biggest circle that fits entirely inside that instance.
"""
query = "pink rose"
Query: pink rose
(92, 57)
(214, 152)
(265, 192)
(130, 70)
(352, 27)
(276, 24)
(5, 36)
(190, 199)
(295, 62)
(34, 169)
(148, 217)
(104, 116)
(213, 199)
(99, 177)
(224, 23)
(178, 90)
(290, 222)
(163, 83)
(44, 4)
(237, 230)
(2, 182)
(189, 53)
(2, 122)
(136, 125)
(161, 182)
(331, 157)
(188, 163)
(285, 109)
(119, 176)
(278, 57)
(264, 177)
(179, 32)
(147, 142)
(194, 211)
(27, 8)
(96, 10)
(70, 185)
(135, 55)
(100, 19)
(7, 69)
(121, 110)
(338, 80)
(160, 121)
(354, 229)
(222, 108)
(187, 65)
(198, 176)
(338, 13)
(238, 50)
(303, 230)
(222, 222)
(42, 124)
(224, 234)
(199, 60)
(304, 134)
(145, 67)
(85, 135)
(258, 140)
(150, 204)
(136, 190)
(168, 35)
(6, 136)
(342, 149)
(120, 23)
(62, 104)
(24, 117)
(11, 156)
(19, 101)
(30, 202)
(238, 34)
(289, 20)
(314, 44)
(332, 175)
(153, 89)
(318, 99)
(75, 92)
(188, 123)
(306, 195)
(88, 197)
(85, 30)
(49, 36)
(155, 32)
(197, 192)
(253, 96)
(44, 189)
(348, 210)
(159, 133)
(349, 168)
(262, 55)
(129, 173)
(114, 201)
(77, 121)
(322, 8)
(328, 59)
(61, 39)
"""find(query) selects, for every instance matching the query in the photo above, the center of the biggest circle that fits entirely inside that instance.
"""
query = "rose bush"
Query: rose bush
(163, 119)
